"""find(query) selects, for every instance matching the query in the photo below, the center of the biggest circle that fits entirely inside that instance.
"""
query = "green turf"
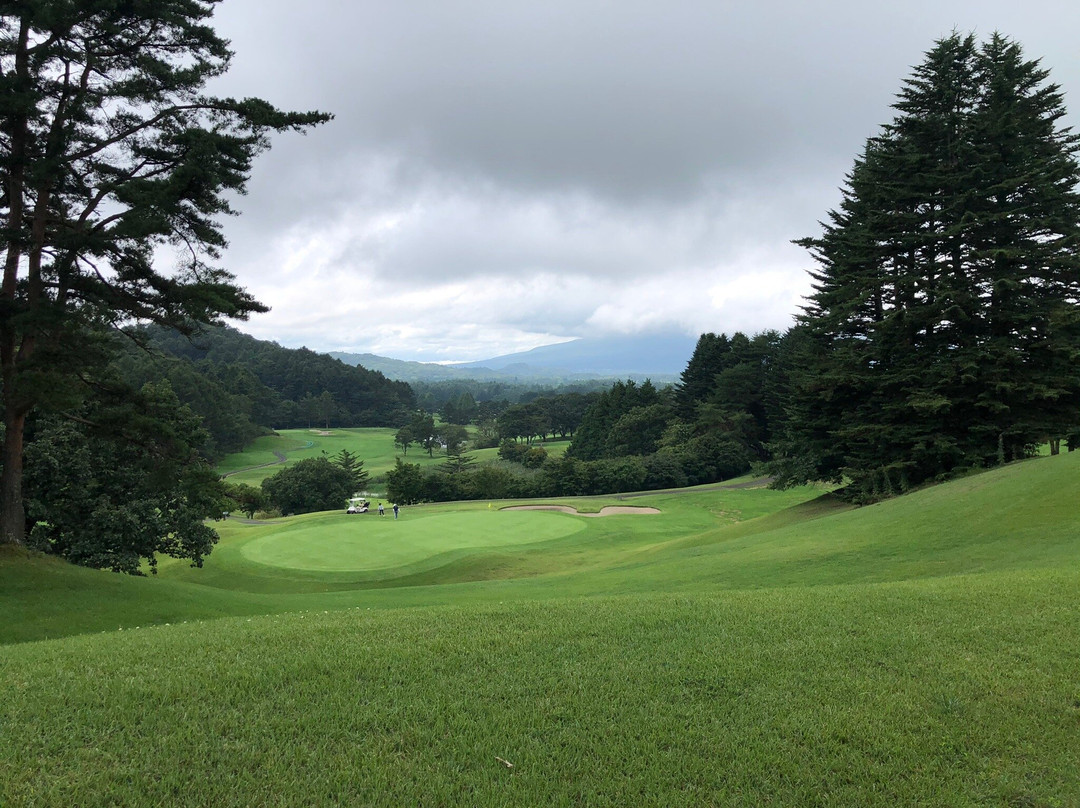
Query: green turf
(374, 445)
(370, 542)
(743, 647)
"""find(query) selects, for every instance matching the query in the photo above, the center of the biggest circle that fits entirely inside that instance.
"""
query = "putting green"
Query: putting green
(370, 542)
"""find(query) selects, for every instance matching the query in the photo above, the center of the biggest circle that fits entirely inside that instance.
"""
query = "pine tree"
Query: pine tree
(109, 149)
(696, 381)
(942, 330)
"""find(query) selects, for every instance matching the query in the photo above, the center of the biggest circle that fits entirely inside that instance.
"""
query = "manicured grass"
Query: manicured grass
(955, 691)
(371, 542)
(743, 647)
(375, 446)
(264, 451)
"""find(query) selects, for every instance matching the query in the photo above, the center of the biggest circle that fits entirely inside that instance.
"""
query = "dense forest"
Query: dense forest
(243, 387)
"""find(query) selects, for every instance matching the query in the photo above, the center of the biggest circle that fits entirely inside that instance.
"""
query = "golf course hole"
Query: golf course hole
(610, 510)
(370, 542)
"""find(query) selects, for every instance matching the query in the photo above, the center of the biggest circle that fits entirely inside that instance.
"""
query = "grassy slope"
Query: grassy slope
(922, 651)
(375, 446)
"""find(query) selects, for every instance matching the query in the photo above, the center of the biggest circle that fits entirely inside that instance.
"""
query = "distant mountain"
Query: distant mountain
(659, 357)
(405, 371)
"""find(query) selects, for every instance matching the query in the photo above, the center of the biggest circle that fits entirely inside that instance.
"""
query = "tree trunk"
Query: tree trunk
(12, 512)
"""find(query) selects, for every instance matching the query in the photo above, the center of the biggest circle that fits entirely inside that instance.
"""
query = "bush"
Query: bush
(534, 457)
(513, 451)
(663, 470)
(314, 484)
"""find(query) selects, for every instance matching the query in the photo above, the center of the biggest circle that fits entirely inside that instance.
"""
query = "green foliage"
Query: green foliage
(227, 403)
(512, 451)
(246, 498)
(458, 464)
(313, 484)
(405, 483)
(421, 430)
(122, 482)
(534, 457)
(453, 438)
(733, 386)
(354, 466)
(598, 435)
(284, 388)
(487, 434)
(638, 431)
(112, 151)
(462, 409)
(526, 421)
(944, 329)
(404, 438)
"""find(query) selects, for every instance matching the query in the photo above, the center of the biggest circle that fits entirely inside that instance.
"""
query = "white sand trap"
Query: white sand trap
(610, 510)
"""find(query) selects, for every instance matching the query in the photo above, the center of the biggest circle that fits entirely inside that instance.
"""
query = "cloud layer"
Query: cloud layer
(502, 175)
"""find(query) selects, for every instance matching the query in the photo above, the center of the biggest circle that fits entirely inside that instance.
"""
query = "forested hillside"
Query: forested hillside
(241, 386)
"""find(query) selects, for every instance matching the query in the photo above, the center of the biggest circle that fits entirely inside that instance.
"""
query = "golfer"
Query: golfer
(382, 510)
(395, 510)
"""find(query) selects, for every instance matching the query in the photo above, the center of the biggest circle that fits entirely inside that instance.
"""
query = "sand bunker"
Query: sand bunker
(610, 510)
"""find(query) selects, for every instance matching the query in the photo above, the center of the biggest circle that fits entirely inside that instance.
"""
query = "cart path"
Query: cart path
(281, 458)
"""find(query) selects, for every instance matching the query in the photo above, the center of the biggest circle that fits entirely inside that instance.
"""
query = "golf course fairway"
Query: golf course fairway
(743, 647)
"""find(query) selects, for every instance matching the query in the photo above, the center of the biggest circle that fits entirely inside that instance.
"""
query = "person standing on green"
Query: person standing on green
(382, 510)
(395, 510)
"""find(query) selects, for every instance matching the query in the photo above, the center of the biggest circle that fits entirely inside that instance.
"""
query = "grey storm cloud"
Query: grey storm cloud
(567, 145)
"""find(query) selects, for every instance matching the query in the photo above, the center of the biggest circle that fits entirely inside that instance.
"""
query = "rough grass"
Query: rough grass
(742, 648)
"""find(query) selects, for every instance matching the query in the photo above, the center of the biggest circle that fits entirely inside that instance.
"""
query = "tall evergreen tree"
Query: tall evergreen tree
(109, 149)
(942, 330)
(351, 463)
(697, 379)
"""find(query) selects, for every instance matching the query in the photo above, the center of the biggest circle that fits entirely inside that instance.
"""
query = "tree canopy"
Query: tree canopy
(110, 150)
(312, 484)
(944, 327)
(122, 482)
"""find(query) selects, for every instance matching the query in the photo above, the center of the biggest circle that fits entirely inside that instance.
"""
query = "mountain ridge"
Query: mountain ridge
(660, 357)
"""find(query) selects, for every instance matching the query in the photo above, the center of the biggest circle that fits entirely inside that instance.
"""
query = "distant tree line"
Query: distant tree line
(712, 426)
(492, 397)
(243, 387)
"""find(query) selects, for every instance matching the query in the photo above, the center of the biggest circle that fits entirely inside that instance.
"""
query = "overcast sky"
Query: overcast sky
(501, 175)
